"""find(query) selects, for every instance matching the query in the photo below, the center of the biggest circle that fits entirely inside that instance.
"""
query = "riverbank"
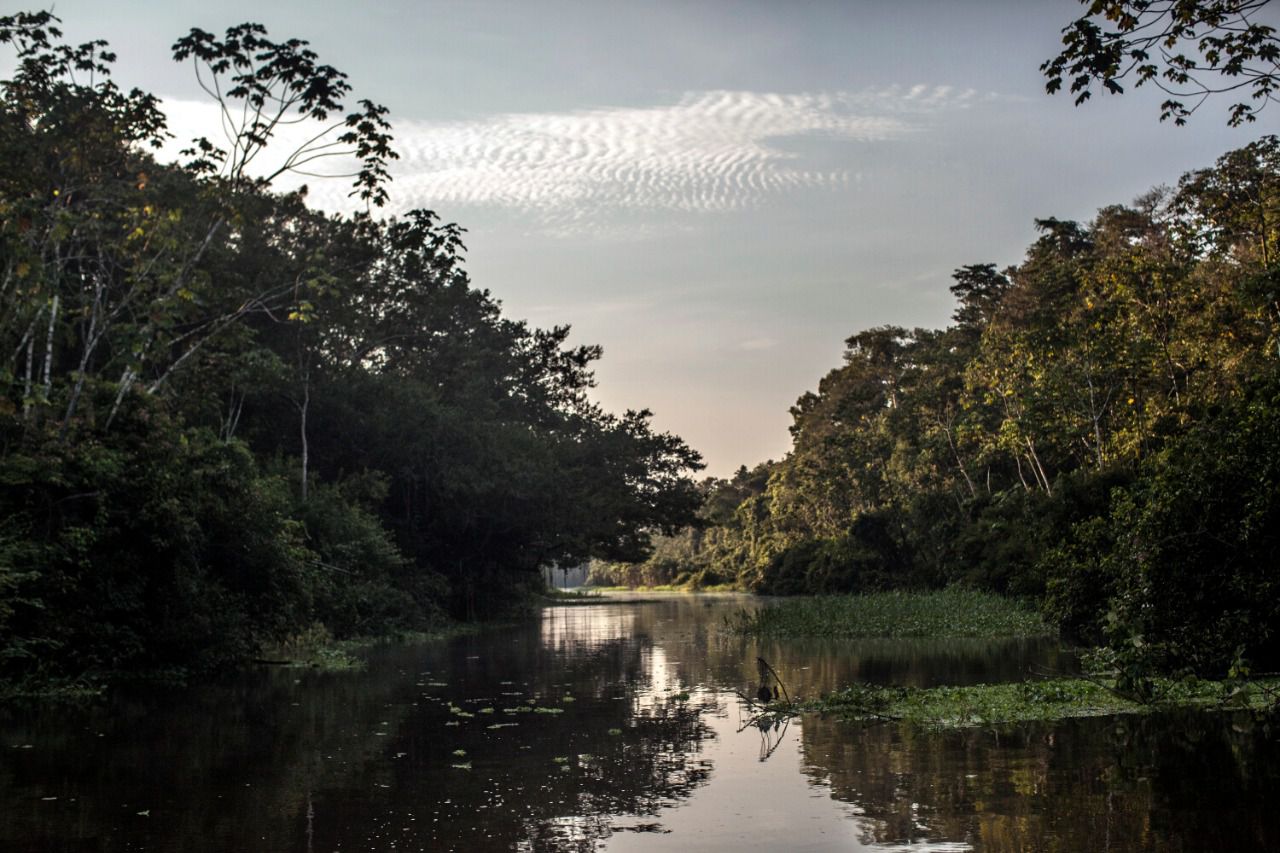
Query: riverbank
(951, 613)
(312, 650)
(956, 613)
(1036, 701)
(668, 587)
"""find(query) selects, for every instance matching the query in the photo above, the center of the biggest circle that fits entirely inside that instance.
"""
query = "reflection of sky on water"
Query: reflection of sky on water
(573, 630)
(755, 793)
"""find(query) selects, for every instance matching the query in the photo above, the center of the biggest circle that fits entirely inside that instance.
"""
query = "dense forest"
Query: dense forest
(1098, 430)
(227, 419)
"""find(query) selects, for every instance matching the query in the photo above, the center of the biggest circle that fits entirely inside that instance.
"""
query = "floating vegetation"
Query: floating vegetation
(542, 709)
(466, 765)
(1028, 701)
(486, 711)
(942, 614)
(460, 753)
(615, 732)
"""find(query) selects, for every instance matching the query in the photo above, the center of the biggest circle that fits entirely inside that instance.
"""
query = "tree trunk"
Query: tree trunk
(47, 378)
(1039, 468)
(302, 421)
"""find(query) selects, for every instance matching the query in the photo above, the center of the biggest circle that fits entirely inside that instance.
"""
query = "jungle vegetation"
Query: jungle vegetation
(1097, 431)
(228, 420)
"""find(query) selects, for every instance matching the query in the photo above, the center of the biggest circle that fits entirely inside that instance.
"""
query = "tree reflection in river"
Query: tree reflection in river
(1156, 783)
(639, 745)
(542, 736)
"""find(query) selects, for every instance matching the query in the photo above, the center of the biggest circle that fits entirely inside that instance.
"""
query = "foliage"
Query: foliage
(262, 86)
(1189, 49)
(362, 585)
(1198, 541)
(121, 576)
(942, 614)
(1076, 437)
(228, 421)
(1028, 701)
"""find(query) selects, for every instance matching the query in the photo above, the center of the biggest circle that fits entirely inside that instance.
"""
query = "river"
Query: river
(618, 727)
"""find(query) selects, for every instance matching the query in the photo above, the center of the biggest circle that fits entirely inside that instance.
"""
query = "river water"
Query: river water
(618, 727)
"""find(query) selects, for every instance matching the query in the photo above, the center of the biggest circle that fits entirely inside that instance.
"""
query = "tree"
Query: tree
(107, 254)
(262, 86)
(450, 450)
(1189, 49)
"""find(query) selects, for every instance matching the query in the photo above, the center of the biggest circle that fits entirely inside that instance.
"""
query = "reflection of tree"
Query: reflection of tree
(813, 667)
(656, 763)
(622, 747)
(1200, 782)
(354, 760)
(212, 766)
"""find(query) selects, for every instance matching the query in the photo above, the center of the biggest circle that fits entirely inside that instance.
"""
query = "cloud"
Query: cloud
(707, 152)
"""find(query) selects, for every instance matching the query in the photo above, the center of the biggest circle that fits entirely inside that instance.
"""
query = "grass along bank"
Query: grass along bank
(941, 614)
(1030, 701)
(669, 587)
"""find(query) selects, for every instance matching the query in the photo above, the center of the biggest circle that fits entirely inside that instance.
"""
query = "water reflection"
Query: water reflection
(1158, 783)
(616, 727)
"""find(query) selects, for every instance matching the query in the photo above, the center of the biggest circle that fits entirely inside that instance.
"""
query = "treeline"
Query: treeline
(1099, 429)
(227, 419)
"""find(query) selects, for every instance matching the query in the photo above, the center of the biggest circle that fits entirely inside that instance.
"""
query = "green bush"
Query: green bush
(1198, 543)
(361, 584)
(162, 549)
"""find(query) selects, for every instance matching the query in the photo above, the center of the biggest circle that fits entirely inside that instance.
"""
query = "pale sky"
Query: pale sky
(719, 193)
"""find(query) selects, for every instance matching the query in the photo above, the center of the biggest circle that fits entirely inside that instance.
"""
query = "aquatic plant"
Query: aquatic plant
(947, 613)
(1028, 701)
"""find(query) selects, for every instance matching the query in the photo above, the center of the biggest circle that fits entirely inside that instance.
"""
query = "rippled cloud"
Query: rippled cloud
(707, 152)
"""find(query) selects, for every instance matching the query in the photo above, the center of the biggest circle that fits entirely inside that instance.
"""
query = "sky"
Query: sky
(718, 193)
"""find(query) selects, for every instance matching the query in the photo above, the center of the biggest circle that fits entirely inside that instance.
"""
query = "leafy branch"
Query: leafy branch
(262, 86)
(1189, 49)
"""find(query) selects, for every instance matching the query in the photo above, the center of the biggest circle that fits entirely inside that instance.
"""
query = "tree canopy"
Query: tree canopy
(1095, 430)
(1189, 49)
(227, 419)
